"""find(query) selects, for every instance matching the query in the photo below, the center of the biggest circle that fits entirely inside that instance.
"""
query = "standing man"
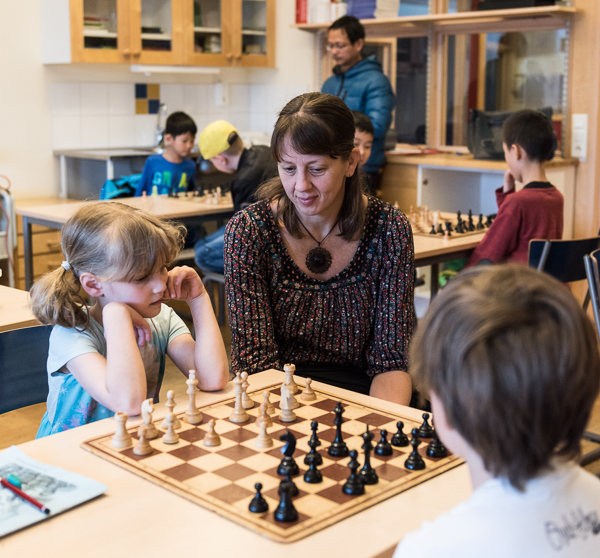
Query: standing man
(361, 84)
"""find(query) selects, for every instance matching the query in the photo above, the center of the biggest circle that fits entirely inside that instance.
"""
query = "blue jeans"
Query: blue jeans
(208, 252)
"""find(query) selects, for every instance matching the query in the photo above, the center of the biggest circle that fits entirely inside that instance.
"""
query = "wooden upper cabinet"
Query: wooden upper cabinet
(230, 33)
(169, 32)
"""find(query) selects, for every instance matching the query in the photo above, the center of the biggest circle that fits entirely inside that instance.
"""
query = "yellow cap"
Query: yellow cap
(214, 138)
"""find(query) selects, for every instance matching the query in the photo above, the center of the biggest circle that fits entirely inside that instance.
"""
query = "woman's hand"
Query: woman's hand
(183, 283)
(141, 328)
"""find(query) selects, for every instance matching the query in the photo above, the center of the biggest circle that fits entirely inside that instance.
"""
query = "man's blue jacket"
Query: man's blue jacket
(365, 88)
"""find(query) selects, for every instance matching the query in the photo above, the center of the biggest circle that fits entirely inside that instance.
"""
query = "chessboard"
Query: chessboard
(222, 478)
(434, 223)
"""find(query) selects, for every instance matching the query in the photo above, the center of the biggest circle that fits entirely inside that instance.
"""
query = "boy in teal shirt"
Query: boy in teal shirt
(170, 171)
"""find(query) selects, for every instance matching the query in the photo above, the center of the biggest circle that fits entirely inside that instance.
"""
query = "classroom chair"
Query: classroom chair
(565, 260)
(23, 376)
(210, 279)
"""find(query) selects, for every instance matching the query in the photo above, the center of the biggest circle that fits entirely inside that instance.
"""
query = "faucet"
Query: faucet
(160, 128)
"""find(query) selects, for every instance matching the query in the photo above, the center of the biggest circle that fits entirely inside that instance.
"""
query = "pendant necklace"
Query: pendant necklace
(318, 260)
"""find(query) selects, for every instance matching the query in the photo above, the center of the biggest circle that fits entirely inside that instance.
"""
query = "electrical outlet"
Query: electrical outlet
(221, 94)
(579, 135)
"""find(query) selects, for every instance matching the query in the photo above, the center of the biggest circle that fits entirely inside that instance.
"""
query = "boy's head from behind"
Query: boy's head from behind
(220, 143)
(532, 132)
(363, 135)
(180, 133)
(514, 362)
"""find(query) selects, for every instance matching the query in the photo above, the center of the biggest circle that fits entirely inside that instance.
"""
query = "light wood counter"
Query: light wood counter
(14, 309)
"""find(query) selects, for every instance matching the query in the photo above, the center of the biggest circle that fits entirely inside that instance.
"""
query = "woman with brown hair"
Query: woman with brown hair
(317, 273)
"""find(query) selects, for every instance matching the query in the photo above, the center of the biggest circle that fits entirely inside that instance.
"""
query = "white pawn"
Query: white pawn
(238, 414)
(121, 439)
(289, 370)
(264, 416)
(170, 437)
(308, 394)
(142, 447)
(267, 402)
(286, 405)
(147, 409)
(263, 440)
(193, 415)
(170, 404)
(212, 438)
(247, 401)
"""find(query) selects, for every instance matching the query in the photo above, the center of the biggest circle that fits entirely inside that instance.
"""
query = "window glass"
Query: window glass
(504, 72)
(100, 24)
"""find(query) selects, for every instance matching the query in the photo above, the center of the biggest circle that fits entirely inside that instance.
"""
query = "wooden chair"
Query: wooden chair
(23, 376)
(567, 261)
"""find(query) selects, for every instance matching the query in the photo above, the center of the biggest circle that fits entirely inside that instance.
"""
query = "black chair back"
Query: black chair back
(563, 259)
(593, 277)
(23, 376)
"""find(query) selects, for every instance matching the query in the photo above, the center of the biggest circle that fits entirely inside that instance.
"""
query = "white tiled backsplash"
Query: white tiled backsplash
(95, 115)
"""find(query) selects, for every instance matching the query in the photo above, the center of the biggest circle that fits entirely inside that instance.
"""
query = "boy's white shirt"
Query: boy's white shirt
(557, 515)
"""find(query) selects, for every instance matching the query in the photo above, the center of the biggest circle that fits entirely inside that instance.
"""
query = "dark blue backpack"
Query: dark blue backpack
(124, 187)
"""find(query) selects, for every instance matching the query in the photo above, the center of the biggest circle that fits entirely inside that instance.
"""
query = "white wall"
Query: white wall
(51, 107)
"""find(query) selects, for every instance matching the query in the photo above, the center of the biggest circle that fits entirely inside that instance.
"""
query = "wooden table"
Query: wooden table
(15, 312)
(139, 518)
(55, 216)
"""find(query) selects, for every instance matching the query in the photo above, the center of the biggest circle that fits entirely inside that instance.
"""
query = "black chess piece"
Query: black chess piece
(480, 224)
(471, 225)
(383, 447)
(313, 475)
(285, 511)
(425, 430)
(288, 483)
(400, 439)
(258, 504)
(440, 229)
(354, 486)
(448, 228)
(432, 231)
(288, 464)
(313, 444)
(435, 447)
(338, 447)
(367, 473)
(415, 461)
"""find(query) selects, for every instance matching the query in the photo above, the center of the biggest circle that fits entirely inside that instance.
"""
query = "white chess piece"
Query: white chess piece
(308, 394)
(193, 415)
(121, 439)
(289, 370)
(247, 401)
(170, 404)
(238, 414)
(147, 410)
(286, 405)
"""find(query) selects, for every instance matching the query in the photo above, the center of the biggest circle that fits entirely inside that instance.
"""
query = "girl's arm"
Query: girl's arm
(207, 355)
(118, 381)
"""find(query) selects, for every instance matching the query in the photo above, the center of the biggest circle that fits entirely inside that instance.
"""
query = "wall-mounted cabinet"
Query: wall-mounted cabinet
(170, 32)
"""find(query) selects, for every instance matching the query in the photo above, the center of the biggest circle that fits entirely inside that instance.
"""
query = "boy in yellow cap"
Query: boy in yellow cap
(221, 144)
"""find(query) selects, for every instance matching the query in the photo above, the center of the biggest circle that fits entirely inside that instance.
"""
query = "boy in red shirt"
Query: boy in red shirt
(535, 211)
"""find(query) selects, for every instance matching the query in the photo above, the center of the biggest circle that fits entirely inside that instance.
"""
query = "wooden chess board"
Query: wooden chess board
(222, 478)
(424, 229)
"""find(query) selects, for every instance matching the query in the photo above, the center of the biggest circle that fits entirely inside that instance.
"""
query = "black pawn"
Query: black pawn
(480, 224)
(313, 475)
(258, 504)
(285, 511)
(415, 461)
(338, 447)
(440, 229)
(436, 448)
(400, 439)
(383, 446)
(448, 229)
(289, 484)
(425, 430)
(313, 444)
(432, 231)
(354, 485)
(367, 473)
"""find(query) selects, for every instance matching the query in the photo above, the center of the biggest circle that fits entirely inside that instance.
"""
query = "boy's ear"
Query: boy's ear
(517, 151)
(168, 139)
(91, 285)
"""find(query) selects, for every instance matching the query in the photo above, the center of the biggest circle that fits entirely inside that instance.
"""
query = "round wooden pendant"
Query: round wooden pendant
(318, 260)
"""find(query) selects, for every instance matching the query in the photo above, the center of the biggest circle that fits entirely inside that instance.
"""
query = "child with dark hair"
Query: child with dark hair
(170, 171)
(363, 136)
(511, 366)
(535, 211)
